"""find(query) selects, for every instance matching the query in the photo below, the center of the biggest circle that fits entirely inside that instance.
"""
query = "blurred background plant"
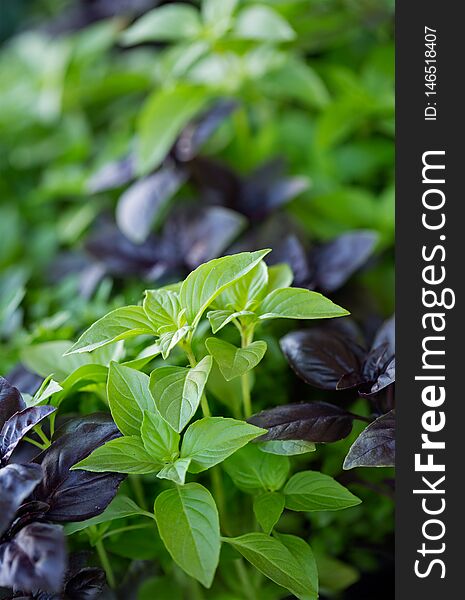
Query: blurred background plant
(139, 139)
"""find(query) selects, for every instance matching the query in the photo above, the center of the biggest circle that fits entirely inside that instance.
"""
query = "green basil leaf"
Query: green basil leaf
(144, 357)
(162, 308)
(122, 455)
(279, 276)
(168, 340)
(160, 440)
(287, 447)
(168, 23)
(188, 524)
(252, 470)
(218, 15)
(165, 113)
(295, 79)
(219, 318)
(232, 361)
(177, 391)
(298, 303)
(246, 291)
(48, 357)
(175, 471)
(311, 491)
(128, 396)
(118, 324)
(211, 440)
(303, 554)
(229, 393)
(207, 282)
(48, 388)
(119, 508)
(260, 22)
(85, 375)
(275, 560)
(268, 507)
(334, 575)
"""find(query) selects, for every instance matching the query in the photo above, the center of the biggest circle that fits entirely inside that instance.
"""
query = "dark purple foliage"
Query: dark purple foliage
(332, 359)
(112, 175)
(313, 422)
(195, 235)
(337, 260)
(17, 426)
(16, 483)
(189, 237)
(192, 138)
(325, 267)
(322, 356)
(32, 550)
(77, 495)
(141, 204)
(375, 446)
(10, 401)
(266, 189)
(34, 558)
(26, 382)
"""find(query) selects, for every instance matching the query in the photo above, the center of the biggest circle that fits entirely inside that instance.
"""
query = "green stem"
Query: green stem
(190, 355)
(43, 437)
(52, 424)
(205, 407)
(106, 564)
(246, 339)
(138, 490)
(34, 443)
(193, 362)
(123, 529)
(246, 401)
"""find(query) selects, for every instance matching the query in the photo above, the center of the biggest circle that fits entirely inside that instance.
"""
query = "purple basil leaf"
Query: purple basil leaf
(201, 234)
(78, 15)
(386, 335)
(384, 379)
(142, 203)
(89, 278)
(313, 422)
(95, 426)
(120, 257)
(379, 369)
(375, 446)
(86, 584)
(266, 190)
(218, 183)
(321, 356)
(10, 401)
(197, 133)
(24, 380)
(16, 483)
(350, 380)
(17, 427)
(112, 175)
(35, 559)
(337, 260)
(29, 512)
(77, 495)
(290, 250)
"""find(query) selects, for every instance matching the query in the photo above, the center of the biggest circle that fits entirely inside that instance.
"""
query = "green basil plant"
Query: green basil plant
(208, 465)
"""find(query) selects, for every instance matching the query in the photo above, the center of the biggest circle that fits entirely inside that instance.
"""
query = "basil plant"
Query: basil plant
(218, 491)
